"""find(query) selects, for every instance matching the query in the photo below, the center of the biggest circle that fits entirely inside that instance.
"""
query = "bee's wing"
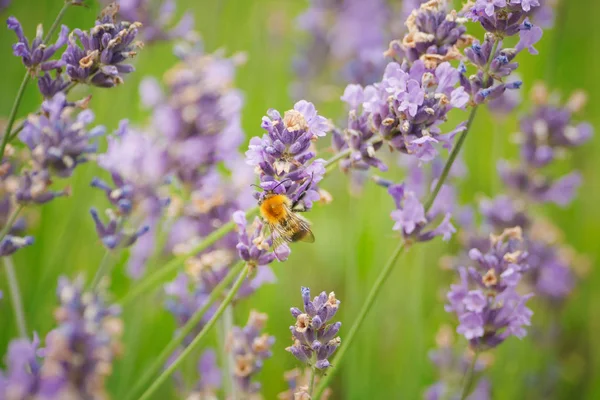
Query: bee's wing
(295, 228)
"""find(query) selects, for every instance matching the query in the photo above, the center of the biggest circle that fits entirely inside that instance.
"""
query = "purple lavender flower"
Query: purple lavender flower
(138, 164)
(105, 47)
(50, 87)
(59, 142)
(22, 377)
(486, 300)
(37, 56)
(410, 217)
(157, 19)
(547, 133)
(358, 136)
(408, 105)
(210, 376)
(434, 35)
(253, 247)
(34, 187)
(501, 17)
(282, 157)
(79, 353)
(112, 234)
(314, 339)
(11, 244)
(340, 34)
(249, 350)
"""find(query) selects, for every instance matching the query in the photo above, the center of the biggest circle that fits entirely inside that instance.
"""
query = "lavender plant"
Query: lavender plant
(78, 353)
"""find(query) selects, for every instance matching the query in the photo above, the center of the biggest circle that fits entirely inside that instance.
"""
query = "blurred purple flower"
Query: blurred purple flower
(59, 142)
(486, 300)
(434, 34)
(249, 350)
(157, 19)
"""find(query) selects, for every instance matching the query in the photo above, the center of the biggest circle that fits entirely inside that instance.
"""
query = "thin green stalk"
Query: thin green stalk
(13, 113)
(229, 387)
(198, 339)
(451, 159)
(313, 374)
(15, 295)
(105, 266)
(367, 305)
(469, 377)
(57, 20)
(9, 224)
(189, 326)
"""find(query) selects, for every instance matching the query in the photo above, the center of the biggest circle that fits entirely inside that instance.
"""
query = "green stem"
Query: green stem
(15, 295)
(198, 339)
(103, 269)
(230, 388)
(57, 20)
(469, 377)
(451, 159)
(189, 326)
(313, 374)
(375, 290)
(13, 113)
(10, 222)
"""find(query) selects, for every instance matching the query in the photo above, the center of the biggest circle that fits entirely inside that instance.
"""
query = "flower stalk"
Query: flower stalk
(469, 377)
(15, 295)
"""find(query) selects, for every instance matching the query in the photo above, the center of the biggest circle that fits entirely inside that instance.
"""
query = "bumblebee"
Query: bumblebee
(281, 216)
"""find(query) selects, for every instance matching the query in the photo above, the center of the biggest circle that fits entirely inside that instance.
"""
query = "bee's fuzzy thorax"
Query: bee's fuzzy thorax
(273, 208)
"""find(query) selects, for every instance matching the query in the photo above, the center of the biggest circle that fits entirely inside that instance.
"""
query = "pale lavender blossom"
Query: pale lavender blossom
(157, 19)
(59, 141)
(249, 350)
(487, 300)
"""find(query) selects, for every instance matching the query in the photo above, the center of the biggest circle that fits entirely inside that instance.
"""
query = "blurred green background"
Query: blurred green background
(354, 237)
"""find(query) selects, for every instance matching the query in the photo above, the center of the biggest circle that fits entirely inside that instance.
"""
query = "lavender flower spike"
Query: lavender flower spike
(99, 60)
(59, 142)
(250, 349)
(36, 56)
(112, 234)
(282, 157)
(314, 339)
(486, 301)
(11, 244)
(79, 353)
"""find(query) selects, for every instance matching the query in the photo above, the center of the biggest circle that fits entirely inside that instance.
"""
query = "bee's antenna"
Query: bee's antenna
(281, 183)
(252, 184)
